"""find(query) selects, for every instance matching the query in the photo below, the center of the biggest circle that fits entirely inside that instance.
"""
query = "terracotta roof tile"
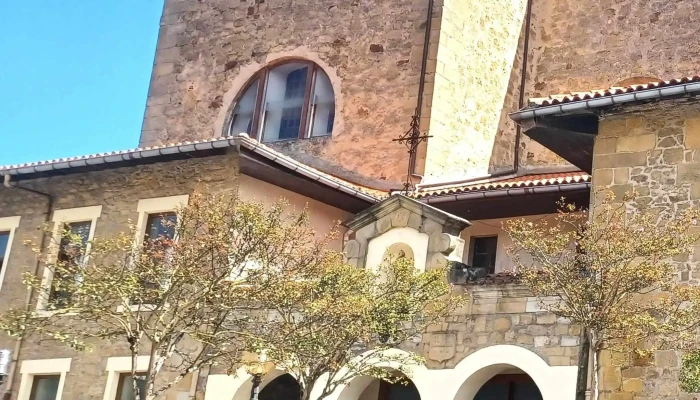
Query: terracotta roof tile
(594, 94)
(506, 183)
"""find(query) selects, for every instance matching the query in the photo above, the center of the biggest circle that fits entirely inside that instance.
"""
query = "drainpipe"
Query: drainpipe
(27, 304)
(421, 82)
(518, 130)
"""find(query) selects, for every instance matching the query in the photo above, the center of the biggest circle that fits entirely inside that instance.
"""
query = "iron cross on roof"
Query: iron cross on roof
(412, 138)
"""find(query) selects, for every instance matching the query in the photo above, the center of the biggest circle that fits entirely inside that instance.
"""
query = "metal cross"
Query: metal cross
(412, 138)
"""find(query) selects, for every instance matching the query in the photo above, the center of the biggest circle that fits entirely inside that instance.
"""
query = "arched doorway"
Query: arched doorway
(284, 387)
(383, 390)
(511, 384)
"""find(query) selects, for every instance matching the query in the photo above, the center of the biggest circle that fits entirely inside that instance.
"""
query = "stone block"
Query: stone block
(537, 330)
(525, 339)
(415, 221)
(632, 372)
(439, 242)
(621, 175)
(621, 396)
(603, 177)
(620, 160)
(430, 227)
(542, 341)
(673, 156)
(384, 224)
(636, 143)
(510, 307)
(692, 133)
(546, 319)
(569, 341)
(441, 353)
(496, 337)
(443, 339)
(611, 379)
(366, 233)
(634, 385)
(501, 324)
(688, 173)
(352, 249)
(666, 358)
(695, 191)
(480, 324)
(559, 361)
(399, 218)
(605, 146)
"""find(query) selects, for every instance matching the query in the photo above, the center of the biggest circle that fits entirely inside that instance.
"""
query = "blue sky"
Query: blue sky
(74, 75)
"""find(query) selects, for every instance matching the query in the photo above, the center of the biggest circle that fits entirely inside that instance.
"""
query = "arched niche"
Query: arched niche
(398, 242)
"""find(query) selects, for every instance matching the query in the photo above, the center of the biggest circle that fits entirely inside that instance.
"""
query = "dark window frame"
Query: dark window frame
(308, 110)
(472, 251)
(5, 251)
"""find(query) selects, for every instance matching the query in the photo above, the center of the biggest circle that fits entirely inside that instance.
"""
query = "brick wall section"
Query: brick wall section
(118, 191)
(204, 46)
(476, 48)
(501, 315)
(656, 153)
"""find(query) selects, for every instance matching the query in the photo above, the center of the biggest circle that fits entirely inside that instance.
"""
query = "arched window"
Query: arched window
(292, 100)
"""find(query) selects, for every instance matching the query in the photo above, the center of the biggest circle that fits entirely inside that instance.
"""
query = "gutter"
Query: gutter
(490, 194)
(230, 141)
(606, 101)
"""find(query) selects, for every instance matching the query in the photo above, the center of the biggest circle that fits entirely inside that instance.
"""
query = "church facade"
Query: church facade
(510, 104)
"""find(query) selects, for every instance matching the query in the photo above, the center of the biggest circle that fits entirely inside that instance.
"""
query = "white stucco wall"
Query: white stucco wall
(459, 383)
(322, 217)
(493, 227)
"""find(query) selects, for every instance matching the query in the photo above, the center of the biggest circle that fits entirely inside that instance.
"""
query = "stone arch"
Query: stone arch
(554, 383)
(247, 72)
(415, 372)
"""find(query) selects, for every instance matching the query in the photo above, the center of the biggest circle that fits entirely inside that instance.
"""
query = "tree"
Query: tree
(332, 322)
(612, 272)
(180, 296)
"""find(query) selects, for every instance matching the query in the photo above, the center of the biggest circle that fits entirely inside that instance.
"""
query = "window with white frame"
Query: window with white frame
(156, 226)
(73, 230)
(119, 379)
(8, 225)
(43, 379)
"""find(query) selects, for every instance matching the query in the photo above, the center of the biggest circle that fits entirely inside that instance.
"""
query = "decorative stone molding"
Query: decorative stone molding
(441, 230)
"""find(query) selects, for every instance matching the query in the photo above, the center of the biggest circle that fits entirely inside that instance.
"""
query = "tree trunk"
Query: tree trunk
(596, 365)
(134, 348)
(583, 359)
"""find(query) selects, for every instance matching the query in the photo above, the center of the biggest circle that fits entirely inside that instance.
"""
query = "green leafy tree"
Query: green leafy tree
(612, 272)
(179, 298)
(330, 322)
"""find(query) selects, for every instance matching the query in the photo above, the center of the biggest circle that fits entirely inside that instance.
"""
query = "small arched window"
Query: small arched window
(287, 101)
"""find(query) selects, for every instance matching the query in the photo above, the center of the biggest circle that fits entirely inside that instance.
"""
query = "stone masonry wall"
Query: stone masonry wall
(501, 314)
(371, 49)
(657, 153)
(476, 47)
(118, 191)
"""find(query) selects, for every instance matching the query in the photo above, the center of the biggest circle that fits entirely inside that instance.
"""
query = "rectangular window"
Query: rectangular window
(483, 253)
(4, 244)
(161, 226)
(8, 225)
(71, 252)
(45, 387)
(125, 391)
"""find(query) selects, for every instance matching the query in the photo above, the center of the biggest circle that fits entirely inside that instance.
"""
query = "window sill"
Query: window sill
(51, 313)
(140, 307)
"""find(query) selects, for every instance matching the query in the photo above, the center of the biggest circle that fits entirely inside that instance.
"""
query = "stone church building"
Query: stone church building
(517, 102)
